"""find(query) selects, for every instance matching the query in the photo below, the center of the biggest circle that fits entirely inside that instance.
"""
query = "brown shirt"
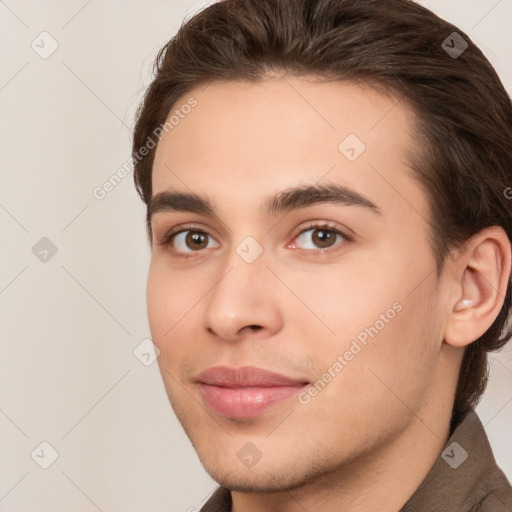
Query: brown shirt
(465, 477)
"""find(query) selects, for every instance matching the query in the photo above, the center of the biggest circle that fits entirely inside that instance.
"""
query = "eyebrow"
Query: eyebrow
(284, 201)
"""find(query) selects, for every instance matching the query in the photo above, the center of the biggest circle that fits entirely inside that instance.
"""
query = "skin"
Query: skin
(369, 438)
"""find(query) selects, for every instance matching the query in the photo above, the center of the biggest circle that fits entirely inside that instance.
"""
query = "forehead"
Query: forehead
(256, 138)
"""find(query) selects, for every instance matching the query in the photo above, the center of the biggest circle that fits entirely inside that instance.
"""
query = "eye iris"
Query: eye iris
(196, 240)
(323, 238)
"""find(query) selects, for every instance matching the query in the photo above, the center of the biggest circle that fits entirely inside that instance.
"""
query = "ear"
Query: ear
(480, 277)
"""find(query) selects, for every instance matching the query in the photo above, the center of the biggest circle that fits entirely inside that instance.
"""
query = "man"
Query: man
(326, 187)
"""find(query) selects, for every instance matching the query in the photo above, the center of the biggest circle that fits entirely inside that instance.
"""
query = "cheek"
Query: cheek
(346, 299)
(375, 318)
(167, 304)
(383, 379)
(174, 309)
(400, 360)
(162, 315)
(158, 302)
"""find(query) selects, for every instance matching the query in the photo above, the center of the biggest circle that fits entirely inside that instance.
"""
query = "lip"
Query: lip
(247, 391)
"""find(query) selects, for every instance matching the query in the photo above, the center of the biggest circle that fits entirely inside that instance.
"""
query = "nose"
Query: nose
(243, 301)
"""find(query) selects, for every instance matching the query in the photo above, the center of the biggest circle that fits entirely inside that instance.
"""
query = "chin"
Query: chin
(259, 483)
(264, 477)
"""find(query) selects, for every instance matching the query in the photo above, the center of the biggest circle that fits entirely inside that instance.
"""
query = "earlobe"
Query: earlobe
(483, 272)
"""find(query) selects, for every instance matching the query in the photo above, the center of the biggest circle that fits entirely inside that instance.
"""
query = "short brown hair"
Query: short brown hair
(463, 113)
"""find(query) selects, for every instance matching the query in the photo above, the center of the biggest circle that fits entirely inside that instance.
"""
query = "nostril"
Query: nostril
(255, 327)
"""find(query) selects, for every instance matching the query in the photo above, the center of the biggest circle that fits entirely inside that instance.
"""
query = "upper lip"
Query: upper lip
(246, 376)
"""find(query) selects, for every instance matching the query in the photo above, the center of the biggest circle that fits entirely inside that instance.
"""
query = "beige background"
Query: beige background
(68, 375)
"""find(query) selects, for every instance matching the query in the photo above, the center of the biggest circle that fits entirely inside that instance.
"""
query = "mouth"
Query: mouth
(246, 392)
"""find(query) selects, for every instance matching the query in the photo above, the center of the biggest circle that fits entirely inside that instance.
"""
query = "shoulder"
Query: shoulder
(465, 476)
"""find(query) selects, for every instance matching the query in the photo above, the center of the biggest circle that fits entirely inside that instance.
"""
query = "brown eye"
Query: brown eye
(323, 238)
(196, 240)
(319, 237)
(192, 241)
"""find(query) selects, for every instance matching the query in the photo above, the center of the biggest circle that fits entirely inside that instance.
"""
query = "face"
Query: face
(334, 289)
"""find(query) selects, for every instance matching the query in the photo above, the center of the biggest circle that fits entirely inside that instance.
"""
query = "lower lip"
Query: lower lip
(245, 402)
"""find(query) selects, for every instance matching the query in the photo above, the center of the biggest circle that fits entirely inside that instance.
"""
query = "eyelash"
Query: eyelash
(169, 236)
